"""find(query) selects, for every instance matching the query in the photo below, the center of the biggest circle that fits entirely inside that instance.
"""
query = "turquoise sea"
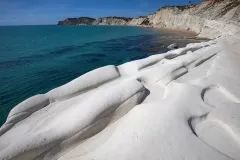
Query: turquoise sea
(35, 59)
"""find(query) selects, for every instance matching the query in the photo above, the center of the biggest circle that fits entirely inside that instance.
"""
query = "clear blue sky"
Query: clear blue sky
(25, 12)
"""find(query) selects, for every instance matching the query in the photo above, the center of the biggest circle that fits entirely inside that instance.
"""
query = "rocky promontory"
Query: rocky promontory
(76, 21)
(97, 21)
(209, 19)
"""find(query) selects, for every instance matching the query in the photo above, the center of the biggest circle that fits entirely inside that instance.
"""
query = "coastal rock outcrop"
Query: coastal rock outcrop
(97, 21)
(77, 21)
(172, 46)
(112, 21)
(209, 19)
(165, 106)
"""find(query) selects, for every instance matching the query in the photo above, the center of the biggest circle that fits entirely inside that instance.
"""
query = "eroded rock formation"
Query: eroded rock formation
(181, 104)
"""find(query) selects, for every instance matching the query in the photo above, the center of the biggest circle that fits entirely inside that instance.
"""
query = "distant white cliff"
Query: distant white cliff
(210, 19)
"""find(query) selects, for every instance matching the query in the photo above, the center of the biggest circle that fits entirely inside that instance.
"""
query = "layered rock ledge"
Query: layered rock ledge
(183, 104)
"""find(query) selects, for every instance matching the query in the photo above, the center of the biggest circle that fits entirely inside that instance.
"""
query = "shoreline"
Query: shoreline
(191, 33)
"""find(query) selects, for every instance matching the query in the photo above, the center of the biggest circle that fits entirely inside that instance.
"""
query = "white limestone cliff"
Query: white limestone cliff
(209, 20)
(111, 21)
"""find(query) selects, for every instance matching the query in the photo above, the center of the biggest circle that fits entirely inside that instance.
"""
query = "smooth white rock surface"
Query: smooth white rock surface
(183, 104)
